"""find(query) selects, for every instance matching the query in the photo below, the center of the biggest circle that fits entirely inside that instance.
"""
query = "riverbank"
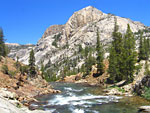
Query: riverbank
(139, 86)
(9, 103)
(17, 90)
(17, 100)
(93, 79)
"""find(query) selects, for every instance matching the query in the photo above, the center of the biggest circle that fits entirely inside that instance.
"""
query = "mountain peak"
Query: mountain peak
(89, 7)
(62, 42)
(82, 17)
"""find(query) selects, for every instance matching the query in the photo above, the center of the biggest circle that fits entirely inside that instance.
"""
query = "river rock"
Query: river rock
(78, 78)
(7, 107)
(20, 98)
(145, 109)
(121, 83)
(81, 81)
(7, 94)
(113, 92)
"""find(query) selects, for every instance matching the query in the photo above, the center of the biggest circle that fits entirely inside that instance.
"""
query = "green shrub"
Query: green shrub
(57, 38)
(12, 73)
(5, 69)
(121, 90)
(146, 93)
(50, 75)
(118, 88)
(23, 70)
(17, 63)
(18, 105)
(54, 43)
(50, 78)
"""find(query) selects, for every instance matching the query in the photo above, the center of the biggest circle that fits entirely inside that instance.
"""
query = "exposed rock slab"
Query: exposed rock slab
(6, 107)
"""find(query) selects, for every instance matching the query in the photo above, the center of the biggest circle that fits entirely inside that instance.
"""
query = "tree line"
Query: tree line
(122, 59)
(123, 55)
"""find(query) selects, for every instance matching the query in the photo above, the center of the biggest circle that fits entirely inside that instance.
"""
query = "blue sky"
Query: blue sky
(24, 21)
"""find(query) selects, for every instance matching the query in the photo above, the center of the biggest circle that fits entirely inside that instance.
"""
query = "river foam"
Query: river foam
(74, 99)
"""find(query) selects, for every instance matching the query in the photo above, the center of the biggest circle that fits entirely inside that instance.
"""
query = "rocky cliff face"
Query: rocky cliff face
(61, 42)
(19, 50)
(83, 17)
(142, 79)
(52, 30)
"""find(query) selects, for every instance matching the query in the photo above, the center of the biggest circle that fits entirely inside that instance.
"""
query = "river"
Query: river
(79, 98)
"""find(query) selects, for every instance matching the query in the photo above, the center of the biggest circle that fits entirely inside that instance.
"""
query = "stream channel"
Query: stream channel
(79, 98)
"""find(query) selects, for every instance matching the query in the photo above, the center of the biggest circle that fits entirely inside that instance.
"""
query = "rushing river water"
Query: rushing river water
(77, 98)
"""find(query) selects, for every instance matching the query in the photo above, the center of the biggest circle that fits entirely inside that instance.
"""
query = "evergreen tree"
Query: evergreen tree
(3, 51)
(117, 39)
(23, 69)
(82, 68)
(119, 50)
(148, 44)
(115, 58)
(100, 56)
(80, 48)
(112, 70)
(141, 54)
(129, 56)
(88, 65)
(147, 71)
(86, 51)
(146, 49)
(32, 70)
(17, 64)
(123, 56)
(42, 69)
(89, 61)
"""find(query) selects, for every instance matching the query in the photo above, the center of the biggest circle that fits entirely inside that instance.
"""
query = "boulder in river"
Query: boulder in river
(145, 109)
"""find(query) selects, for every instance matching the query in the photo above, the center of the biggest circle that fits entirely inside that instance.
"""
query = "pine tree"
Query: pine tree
(17, 64)
(112, 70)
(32, 70)
(115, 58)
(117, 39)
(100, 56)
(129, 56)
(86, 52)
(3, 51)
(148, 44)
(147, 71)
(80, 48)
(146, 49)
(119, 56)
(42, 69)
(89, 61)
(87, 65)
(141, 54)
